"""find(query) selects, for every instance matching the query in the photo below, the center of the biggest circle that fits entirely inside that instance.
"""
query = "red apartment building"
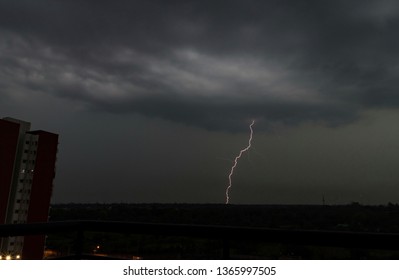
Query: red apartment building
(27, 171)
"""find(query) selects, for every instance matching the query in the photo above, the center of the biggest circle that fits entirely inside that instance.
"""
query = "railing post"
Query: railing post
(226, 249)
(79, 243)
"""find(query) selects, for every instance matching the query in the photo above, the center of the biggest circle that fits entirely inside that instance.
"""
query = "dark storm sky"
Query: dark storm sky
(153, 99)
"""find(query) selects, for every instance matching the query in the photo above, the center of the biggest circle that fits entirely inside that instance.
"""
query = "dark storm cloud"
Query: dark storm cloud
(212, 114)
(206, 63)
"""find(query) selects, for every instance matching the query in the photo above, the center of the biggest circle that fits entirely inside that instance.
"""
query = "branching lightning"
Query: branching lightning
(236, 160)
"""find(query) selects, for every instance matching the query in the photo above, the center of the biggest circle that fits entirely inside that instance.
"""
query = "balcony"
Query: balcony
(225, 238)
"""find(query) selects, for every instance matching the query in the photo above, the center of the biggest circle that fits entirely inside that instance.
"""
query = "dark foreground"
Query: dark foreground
(343, 218)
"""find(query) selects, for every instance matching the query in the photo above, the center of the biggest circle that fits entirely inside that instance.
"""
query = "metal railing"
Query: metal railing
(227, 234)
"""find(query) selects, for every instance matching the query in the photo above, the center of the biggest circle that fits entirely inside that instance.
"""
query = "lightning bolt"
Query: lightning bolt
(236, 160)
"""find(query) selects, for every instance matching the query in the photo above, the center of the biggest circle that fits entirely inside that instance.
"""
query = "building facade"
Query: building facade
(27, 171)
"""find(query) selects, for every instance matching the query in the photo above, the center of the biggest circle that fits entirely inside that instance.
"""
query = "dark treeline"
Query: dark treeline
(352, 217)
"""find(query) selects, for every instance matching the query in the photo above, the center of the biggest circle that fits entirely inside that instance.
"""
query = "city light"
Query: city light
(10, 257)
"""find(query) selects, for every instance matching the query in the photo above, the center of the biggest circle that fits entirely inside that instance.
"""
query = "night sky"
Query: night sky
(153, 99)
